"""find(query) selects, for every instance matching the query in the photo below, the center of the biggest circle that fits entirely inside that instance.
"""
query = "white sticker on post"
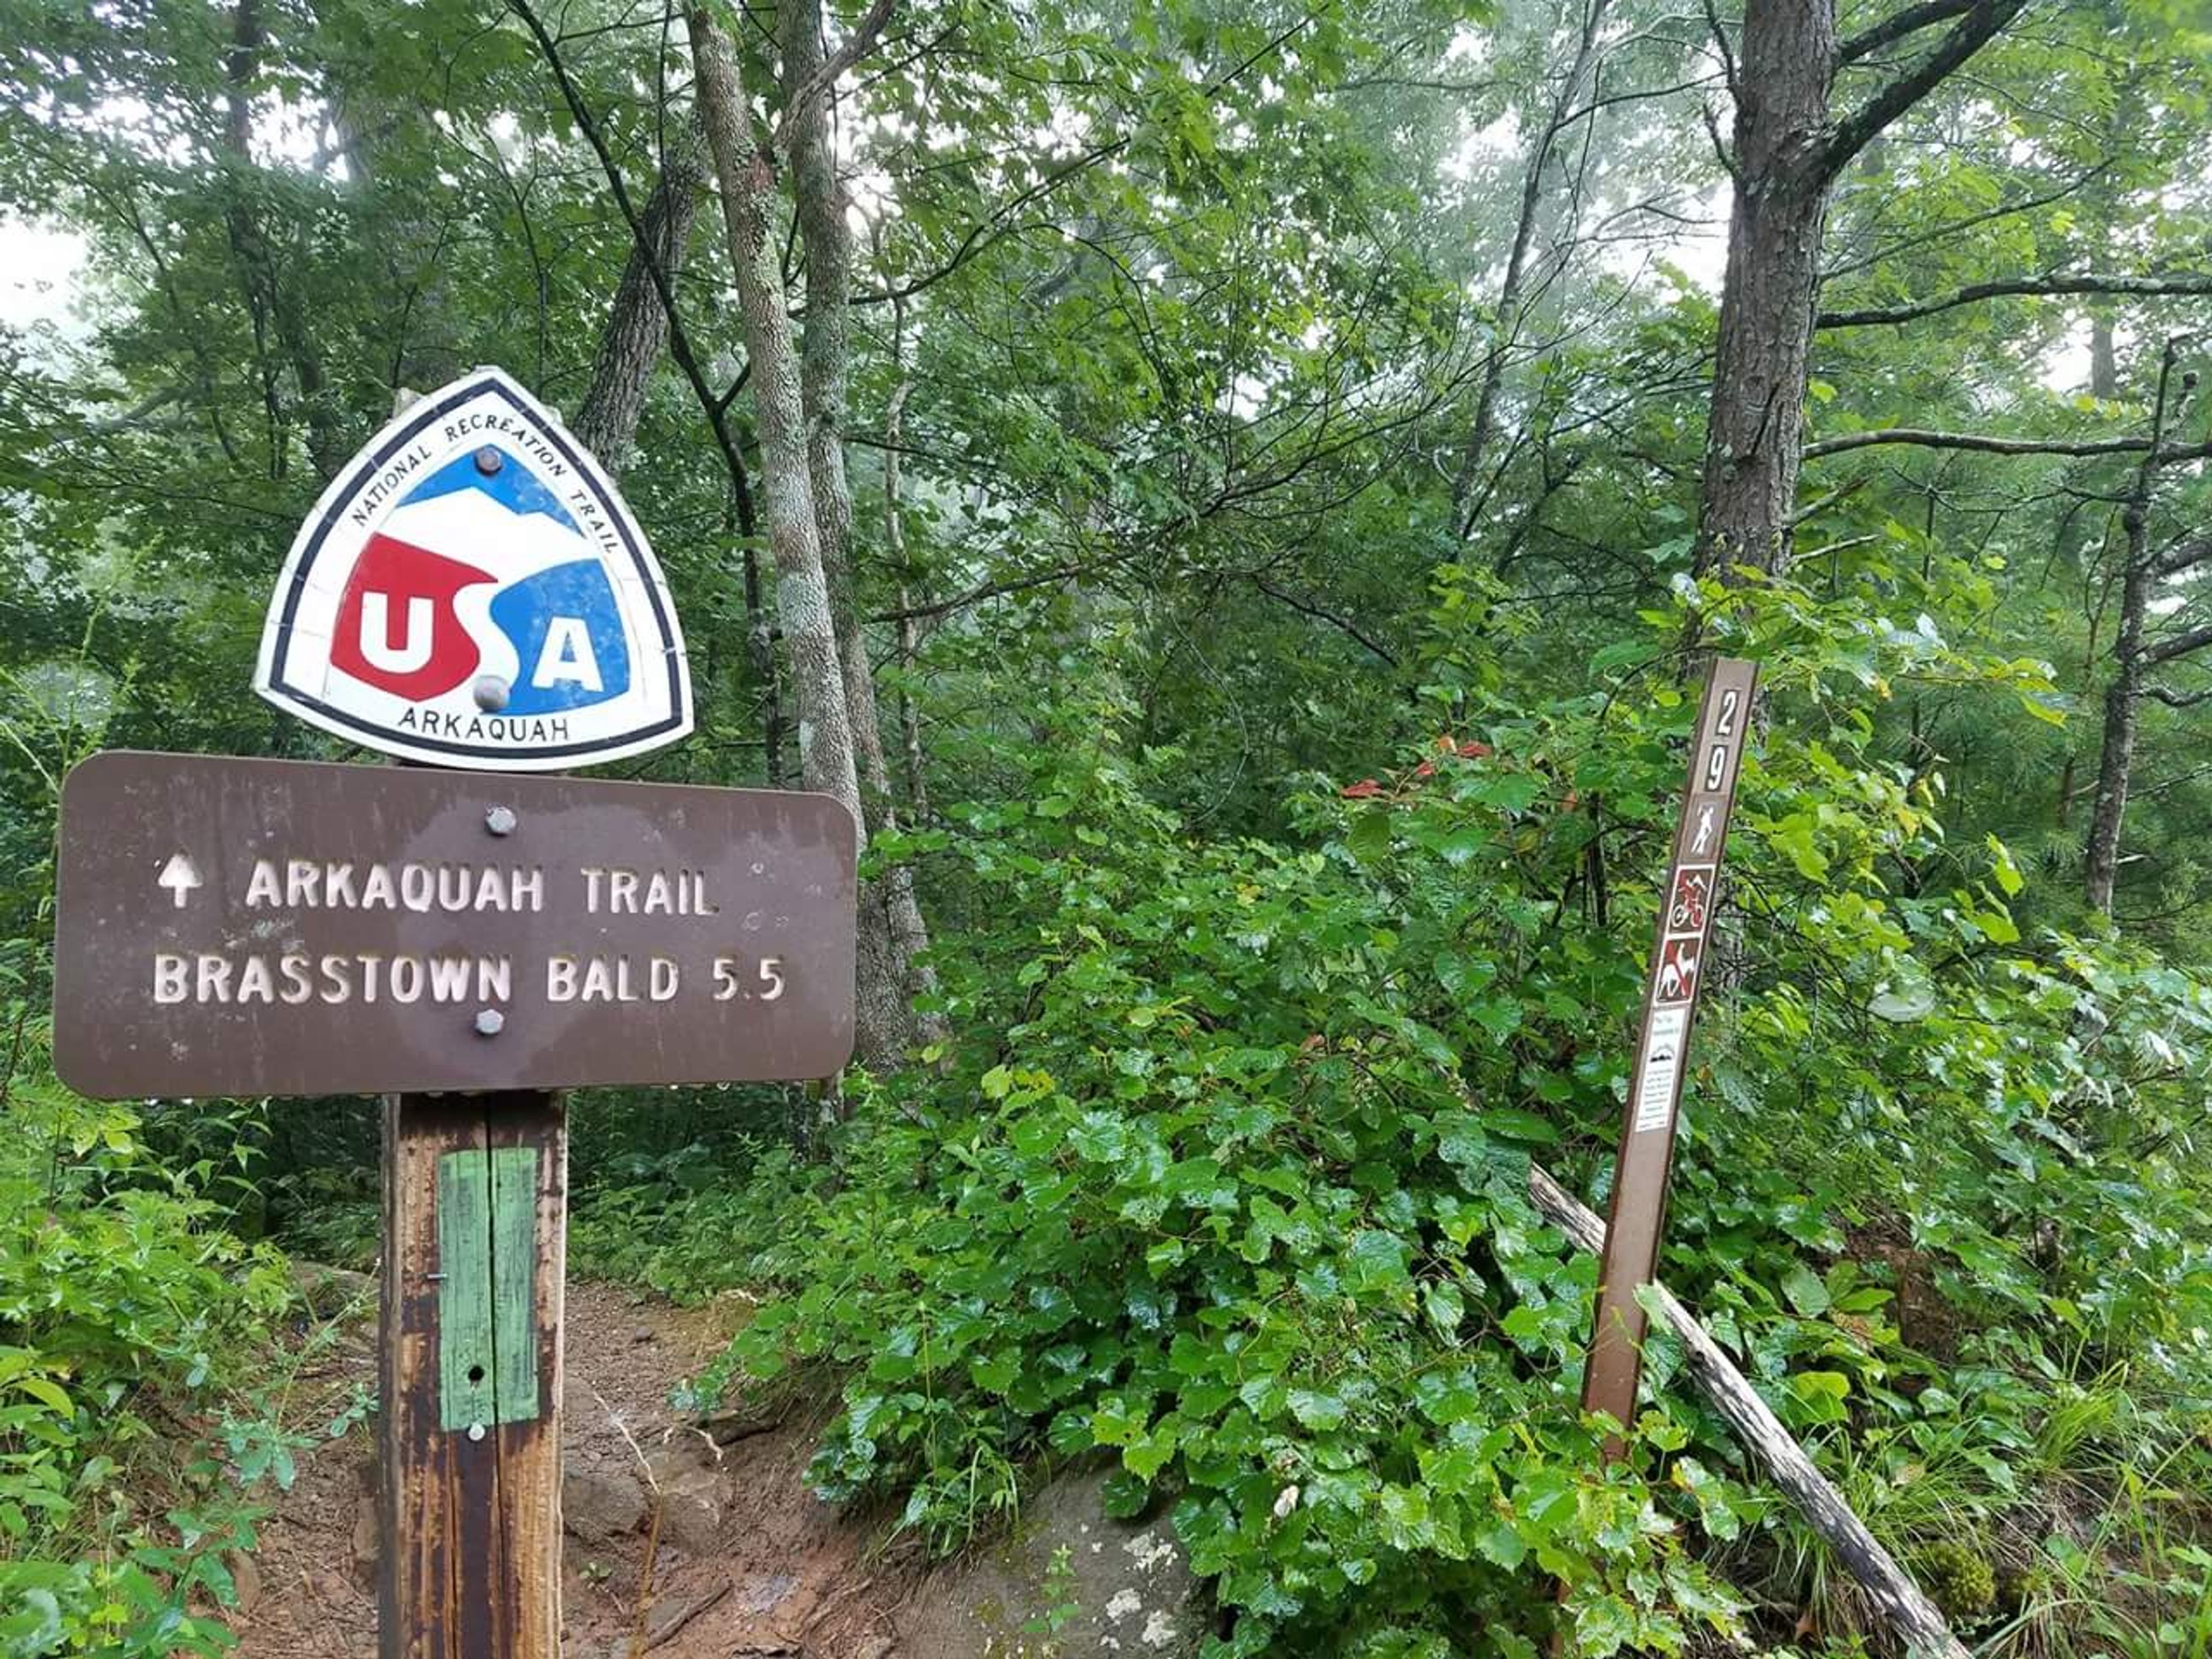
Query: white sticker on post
(1663, 1065)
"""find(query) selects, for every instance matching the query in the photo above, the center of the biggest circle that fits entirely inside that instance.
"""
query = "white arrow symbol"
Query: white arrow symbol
(179, 877)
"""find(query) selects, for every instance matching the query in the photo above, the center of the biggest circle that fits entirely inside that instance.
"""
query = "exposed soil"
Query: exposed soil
(746, 1561)
(1927, 1323)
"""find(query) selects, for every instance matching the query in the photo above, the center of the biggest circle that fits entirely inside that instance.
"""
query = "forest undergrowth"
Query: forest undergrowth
(1234, 498)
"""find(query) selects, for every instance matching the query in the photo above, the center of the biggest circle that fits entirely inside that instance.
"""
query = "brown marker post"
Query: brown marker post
(1655, 1082)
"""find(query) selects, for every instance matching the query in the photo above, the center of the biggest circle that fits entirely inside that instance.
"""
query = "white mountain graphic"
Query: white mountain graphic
(469, 525)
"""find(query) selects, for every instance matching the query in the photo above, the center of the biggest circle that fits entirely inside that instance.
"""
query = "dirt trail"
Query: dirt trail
(747, 1562)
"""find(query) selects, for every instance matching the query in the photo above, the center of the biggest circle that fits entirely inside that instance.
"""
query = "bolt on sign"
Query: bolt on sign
(253, 926)
(1679, 954)
(472, 590)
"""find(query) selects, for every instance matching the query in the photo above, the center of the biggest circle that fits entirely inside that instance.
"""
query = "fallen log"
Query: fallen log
(1909, 1613)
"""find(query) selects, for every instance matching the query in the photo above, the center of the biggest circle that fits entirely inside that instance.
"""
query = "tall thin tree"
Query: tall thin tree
(746, 170)
(825, 372)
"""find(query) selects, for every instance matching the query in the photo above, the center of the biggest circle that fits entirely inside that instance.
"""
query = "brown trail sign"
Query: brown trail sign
(1655, 1081)
(470, 590)
(253, 927)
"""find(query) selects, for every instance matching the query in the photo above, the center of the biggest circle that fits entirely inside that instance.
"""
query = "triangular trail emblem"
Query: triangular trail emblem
(472, 590)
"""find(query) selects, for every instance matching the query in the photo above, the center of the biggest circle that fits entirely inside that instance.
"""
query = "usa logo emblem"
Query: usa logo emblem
(472, 590)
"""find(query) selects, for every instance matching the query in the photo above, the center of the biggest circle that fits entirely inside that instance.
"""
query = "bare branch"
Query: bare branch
(2179, 646)
(2028, 203)
(1981, 21)
(1820, 504)
(1721, 152)
(1307, 608)
(2186, 556)
(993, 228)
(2187, 282)
(1635, 95)
(984, 591)
(1721, 48)
(1891, 30)
(1984, 444)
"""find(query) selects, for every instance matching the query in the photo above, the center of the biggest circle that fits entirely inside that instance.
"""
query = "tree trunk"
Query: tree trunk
(1789, 146)
(2124, 695)
(825, 350)
(637, 324)
(2115, 758)
(1754, 437)
(746, 174)
(760, 659)
(888, 905)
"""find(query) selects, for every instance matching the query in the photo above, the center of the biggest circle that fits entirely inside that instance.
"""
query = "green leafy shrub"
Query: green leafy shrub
(119, 1287)
(1230, 1184)
(1227, 1212)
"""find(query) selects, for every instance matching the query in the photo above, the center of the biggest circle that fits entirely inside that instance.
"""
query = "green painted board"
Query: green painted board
(487, 1295)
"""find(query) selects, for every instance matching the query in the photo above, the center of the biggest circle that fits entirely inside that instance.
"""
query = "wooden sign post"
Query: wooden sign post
(1655, 1082)
(469, 1375)
(470, 590)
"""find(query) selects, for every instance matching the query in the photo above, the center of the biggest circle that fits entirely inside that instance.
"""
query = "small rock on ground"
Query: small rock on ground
(687, 1479)
(599, 1504)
